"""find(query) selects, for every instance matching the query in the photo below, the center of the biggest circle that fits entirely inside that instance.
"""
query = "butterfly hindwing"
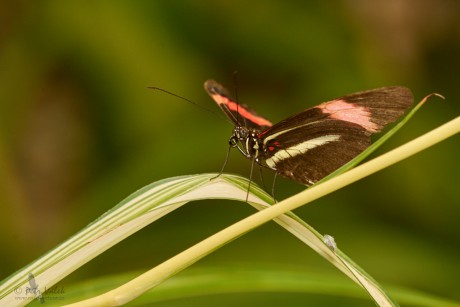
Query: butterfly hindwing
(312, 151)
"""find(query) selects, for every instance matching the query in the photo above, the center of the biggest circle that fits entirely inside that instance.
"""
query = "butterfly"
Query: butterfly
(308, 146)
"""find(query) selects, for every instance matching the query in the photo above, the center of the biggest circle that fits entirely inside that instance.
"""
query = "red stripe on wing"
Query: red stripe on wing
(233, 106)
(349, 112)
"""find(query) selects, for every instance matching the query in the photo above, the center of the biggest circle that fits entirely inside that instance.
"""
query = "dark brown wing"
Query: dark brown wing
(311, 152)
(310, 145)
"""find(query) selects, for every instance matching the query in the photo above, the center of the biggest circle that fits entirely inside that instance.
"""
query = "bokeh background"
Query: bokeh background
(79, 130)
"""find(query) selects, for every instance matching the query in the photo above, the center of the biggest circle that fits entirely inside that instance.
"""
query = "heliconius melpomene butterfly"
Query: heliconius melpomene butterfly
(308, 146)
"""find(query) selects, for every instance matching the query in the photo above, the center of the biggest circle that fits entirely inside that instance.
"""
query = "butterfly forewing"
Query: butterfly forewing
(372, 109)
(312, 144)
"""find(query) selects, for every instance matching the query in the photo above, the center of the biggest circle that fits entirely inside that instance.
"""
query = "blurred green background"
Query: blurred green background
(79, 130)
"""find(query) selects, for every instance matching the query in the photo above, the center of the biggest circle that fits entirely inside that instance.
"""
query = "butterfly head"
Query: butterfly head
(246, 140)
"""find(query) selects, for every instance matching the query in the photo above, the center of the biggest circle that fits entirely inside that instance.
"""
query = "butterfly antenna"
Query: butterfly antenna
(235, 89)
(183, 98)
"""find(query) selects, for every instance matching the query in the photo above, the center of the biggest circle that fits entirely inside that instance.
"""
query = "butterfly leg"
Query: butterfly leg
(265, 187)
(225, 163)
(262, 178)
(250, 178)
(273, 188)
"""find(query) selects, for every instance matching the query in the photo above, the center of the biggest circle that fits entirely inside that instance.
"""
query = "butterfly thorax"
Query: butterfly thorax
(247, 142)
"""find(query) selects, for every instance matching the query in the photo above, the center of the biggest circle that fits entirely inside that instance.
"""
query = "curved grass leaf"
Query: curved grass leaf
(147, 205)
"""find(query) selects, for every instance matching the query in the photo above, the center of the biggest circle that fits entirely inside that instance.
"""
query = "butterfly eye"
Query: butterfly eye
(233, 141)
(241, 133)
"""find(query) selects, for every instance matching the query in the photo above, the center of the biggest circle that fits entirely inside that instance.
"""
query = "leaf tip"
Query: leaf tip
(431, 95)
